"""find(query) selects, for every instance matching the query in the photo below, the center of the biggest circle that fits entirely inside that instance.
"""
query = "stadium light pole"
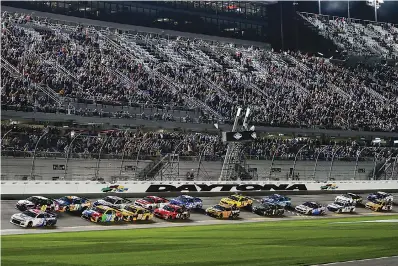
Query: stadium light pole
(322, 151)
(34, 152)
(348, 9)
(99, 157)
(68, 151)
(319, 7)
(273, 158)
(376, 156)
(331, 163)
(295, 158)
(356, 161)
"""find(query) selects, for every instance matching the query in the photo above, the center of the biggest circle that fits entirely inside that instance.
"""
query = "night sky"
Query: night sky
(388, 12)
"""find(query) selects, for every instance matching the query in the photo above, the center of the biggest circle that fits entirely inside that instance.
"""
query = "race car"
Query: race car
(311, 208)
(349, 198)
(223, 211)
(341, 207)
(37, 202)
(33, 218)
(268, 209)
(151, 202)
(379, 205)
(380, 196)
(277, 199)
(102, 214)
(72, 203)
(134, 213)
(113, 202)
(237, 200)
(171, 212)
(188, 202)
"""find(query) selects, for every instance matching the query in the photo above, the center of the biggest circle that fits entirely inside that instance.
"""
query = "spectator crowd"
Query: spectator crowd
(48, 64)
(23, 140)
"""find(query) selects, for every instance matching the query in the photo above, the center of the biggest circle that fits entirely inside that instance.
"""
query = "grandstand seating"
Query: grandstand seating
(47, 64)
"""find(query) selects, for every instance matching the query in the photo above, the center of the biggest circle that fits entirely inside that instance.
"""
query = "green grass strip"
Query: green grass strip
(303, 242)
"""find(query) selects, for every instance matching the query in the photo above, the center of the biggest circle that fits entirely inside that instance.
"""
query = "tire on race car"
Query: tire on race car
(220, 216)
(30, 224)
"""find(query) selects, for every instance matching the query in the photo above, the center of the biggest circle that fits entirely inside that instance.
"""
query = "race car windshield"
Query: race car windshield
(310, 204)
(111, 200)
(65, 199)
(99, 210)
(130, 209)
(33, 199)
(169, 208)
(149, 199)
(234, 198)
(30, 214)
(218, 207)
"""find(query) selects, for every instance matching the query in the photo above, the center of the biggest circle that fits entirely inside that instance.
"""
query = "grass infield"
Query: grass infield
(303, 242)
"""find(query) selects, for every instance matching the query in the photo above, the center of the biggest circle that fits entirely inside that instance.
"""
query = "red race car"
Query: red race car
(151, 202)
(171, 212)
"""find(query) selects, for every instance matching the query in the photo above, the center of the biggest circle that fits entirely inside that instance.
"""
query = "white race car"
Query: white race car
(349, 198)
(151, 202)
(113, 202)
(341, 207)
(33, 218)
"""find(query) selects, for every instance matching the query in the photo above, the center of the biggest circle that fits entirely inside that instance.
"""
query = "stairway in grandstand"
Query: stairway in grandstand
(163, 168)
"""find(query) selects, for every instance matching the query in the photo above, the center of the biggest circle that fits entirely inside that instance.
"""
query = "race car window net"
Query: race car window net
(30, 214)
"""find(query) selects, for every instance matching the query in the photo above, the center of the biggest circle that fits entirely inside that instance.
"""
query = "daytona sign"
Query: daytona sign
(225, 187)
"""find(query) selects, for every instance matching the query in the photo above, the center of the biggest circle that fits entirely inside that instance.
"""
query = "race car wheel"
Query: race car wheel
(166, 217)
(220, 216)
(147, 218)
(67, 209)
(30, 224)
(234, 206)
(339, 211)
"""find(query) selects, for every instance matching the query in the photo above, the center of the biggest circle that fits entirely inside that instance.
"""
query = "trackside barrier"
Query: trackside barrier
(20, 189)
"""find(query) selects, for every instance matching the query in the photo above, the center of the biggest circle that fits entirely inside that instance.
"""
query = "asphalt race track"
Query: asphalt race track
(72, 222)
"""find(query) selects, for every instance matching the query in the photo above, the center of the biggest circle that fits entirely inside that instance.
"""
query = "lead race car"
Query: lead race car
(341, 207)
(311, 208)
(188, 202)
(151, 202)
(172, 212)
(37, 202)
(33, 218)
(113, 202)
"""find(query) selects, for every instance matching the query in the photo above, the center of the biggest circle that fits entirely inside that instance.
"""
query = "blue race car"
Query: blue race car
(380, 196)
(72, 203)
(188, 202)
(277, 199)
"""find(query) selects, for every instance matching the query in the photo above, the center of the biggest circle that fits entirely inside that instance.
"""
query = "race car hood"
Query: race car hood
(62, 202)
(144, 202)
(334, 206)
(21, 216)
(91, 213)
(22, 202)
(303, 208)
(103, 202)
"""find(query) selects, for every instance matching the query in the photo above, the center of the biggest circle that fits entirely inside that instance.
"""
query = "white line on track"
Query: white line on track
(356, 261)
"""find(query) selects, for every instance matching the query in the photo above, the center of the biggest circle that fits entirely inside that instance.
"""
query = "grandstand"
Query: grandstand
(66, 70)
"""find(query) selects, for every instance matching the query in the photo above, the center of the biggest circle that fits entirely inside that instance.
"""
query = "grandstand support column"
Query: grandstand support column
(376, 156)
(201, 156)
(34, 152)
(357, 159)
(128, 143)
(322, 151)
(68, 152)
(99, 157)
(295, 158)
(348, 9)
(9, 131)
(273, 158)
(331, 163)
(225, 167)
(393, 166)
(319, 7)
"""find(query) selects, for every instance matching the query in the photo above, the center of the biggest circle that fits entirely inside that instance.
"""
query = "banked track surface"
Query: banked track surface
(73, 222)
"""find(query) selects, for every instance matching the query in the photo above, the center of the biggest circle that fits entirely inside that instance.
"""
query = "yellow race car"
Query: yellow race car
(223, 211)
(237, 200)
(134, 213)
(379, 205)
